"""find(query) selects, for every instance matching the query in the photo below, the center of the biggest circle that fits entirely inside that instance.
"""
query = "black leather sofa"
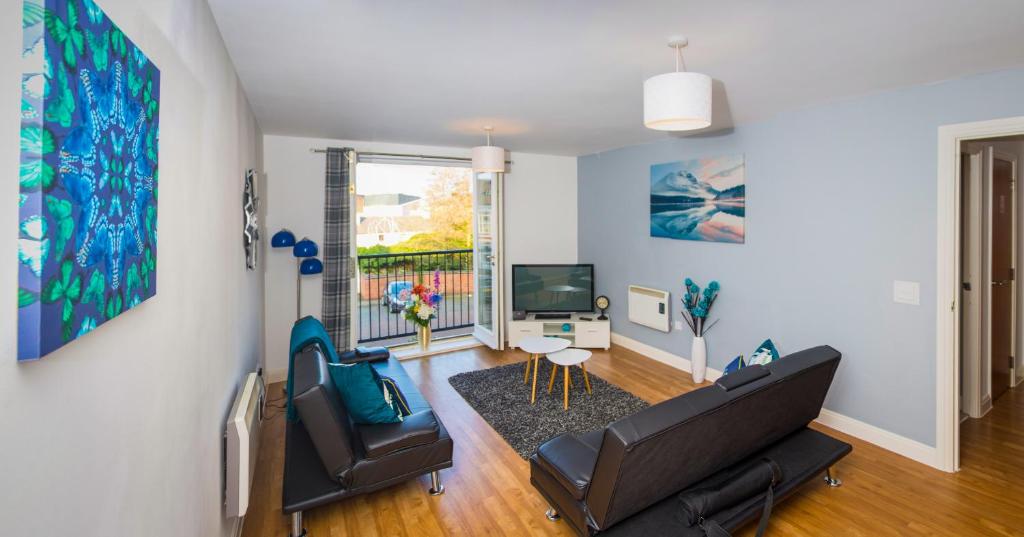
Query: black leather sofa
(624, 480)
(328, 458)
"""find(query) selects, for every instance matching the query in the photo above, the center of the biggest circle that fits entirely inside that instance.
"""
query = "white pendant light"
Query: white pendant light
(488, 158)
(678, 101)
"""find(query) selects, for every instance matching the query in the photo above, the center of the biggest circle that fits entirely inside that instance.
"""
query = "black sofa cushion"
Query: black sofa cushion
(742, 377)
(383, 439)
(571, 460)
(393, 369)
(364, 354)
(319, 406)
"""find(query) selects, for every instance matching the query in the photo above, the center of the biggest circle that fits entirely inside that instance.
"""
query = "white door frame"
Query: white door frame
(947, 289)
(972, 320)
(1012, 158)
(495, 336)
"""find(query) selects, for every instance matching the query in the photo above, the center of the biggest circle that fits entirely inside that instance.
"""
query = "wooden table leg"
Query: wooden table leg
(586, 379)
(566, 373)
(526, 374)
(536, 365)
(554, 373)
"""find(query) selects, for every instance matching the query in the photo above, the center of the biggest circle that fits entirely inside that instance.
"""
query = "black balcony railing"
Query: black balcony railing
(383, 277)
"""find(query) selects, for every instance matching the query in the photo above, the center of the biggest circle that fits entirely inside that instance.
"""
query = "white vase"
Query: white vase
(698, 359)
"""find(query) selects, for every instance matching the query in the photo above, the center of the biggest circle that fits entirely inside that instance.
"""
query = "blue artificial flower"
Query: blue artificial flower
(694, 289)
(688, 282)
(699, 312)
(713, 285)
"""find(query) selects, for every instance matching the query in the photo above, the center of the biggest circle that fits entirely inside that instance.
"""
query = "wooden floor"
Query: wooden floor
(489, 492)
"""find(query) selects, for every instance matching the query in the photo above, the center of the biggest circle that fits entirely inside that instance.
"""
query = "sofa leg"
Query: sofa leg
(832, 481)
(436, 488)
(297, 529)
(552, 515)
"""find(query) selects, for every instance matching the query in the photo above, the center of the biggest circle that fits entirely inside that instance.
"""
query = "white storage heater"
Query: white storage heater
(649, 307)
(241, 444)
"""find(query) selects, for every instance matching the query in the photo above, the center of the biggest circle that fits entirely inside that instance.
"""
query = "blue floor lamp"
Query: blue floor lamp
(305, 252)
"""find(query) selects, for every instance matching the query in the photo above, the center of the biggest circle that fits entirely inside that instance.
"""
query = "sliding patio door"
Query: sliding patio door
(487, 260)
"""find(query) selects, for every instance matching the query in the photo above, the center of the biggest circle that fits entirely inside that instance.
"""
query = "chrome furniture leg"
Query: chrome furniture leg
(552, 515)
(297, 529)
(436, 488)
(832, 481)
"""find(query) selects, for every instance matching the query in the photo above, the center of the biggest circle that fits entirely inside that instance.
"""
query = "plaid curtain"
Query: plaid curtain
(337, 314)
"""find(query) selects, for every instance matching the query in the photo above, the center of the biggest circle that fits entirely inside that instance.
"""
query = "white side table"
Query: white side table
(538, 346)
(566, 358)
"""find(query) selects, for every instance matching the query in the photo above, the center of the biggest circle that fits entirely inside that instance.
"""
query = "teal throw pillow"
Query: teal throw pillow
(395, 396)
(363, 393)
(765, 354)
(735, 365)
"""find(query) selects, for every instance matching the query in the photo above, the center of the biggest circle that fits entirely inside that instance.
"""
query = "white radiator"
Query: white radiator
(241, 443)
(649, 307)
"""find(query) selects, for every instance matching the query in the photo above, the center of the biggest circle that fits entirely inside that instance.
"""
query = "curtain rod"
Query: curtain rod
(405, 155)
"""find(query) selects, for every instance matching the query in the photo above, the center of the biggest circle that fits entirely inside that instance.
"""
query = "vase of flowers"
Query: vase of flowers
(696, 307)
(421, 307)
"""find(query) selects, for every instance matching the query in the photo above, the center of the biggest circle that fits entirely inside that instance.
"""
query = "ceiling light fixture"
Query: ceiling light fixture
(488, 158)
(678, 101)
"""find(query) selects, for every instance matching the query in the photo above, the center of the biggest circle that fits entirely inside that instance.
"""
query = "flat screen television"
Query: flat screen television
(553, 288)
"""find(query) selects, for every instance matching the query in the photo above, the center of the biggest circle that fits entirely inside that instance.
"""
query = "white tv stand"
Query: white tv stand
(593, 334)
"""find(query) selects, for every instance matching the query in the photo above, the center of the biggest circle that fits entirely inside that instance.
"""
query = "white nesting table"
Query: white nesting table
(538, 346)
(566, 358)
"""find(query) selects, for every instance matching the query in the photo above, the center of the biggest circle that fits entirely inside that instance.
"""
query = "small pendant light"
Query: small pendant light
(678, 101)
(488, 158)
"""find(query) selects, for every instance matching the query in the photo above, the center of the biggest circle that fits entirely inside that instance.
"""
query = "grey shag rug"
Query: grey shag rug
(500, 397)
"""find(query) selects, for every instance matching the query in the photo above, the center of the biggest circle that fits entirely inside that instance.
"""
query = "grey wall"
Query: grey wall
(120, 432)
(841, 201)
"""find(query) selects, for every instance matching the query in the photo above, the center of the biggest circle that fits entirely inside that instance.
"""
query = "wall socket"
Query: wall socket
(679, 325)
(906, 292)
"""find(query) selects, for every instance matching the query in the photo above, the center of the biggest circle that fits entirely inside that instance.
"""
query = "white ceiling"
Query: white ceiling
(565, 76)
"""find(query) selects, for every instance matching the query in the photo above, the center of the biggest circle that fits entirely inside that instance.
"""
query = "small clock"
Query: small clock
(602, 304)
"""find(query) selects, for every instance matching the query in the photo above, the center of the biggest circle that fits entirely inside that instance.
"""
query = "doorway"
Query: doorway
(431, 223)
(951, 385)
(989, 294)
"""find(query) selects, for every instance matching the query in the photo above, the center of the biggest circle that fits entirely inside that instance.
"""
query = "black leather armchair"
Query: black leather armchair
(328, 458)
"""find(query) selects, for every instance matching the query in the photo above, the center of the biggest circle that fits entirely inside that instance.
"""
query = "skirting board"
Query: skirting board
(659, 355)
(276, 375)
(900, 445)
(986, 405)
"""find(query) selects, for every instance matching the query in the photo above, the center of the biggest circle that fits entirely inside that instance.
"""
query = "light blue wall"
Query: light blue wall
(841, 201)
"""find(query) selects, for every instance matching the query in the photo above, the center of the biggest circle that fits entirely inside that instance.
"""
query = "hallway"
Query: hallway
(994, 444)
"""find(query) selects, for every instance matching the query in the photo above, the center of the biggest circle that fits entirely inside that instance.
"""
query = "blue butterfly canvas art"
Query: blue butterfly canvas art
(88, 174)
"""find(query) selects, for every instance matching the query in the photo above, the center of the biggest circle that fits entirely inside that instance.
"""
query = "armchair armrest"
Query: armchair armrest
(364, 354)
(570, 461)
(416, 429)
